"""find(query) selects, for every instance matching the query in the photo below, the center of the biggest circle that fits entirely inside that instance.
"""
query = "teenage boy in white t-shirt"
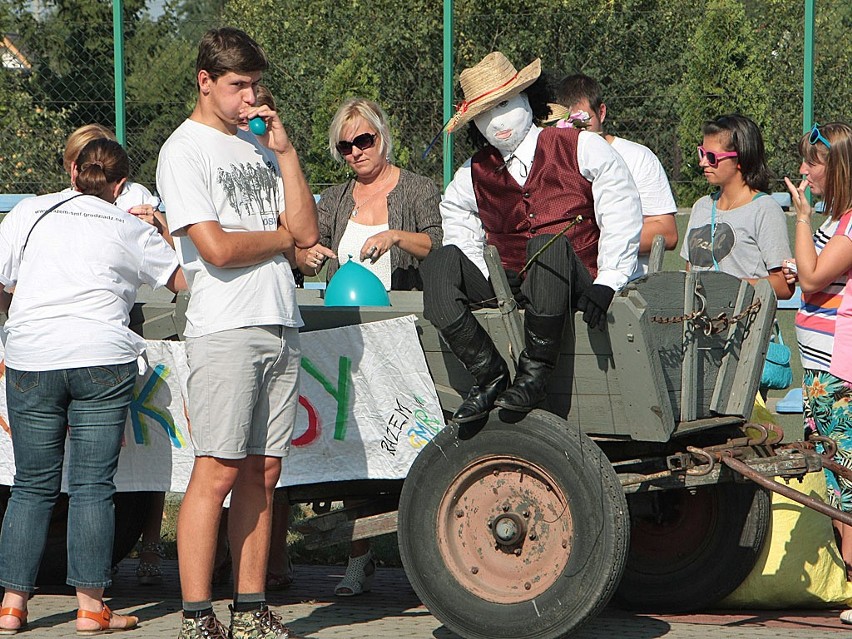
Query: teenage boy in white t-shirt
(581, 93)
(236, 202)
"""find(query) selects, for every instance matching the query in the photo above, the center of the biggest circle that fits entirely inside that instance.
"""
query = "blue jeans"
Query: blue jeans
(93, 401)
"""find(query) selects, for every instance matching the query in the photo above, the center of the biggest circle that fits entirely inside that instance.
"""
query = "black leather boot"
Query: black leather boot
(542, 338)
(474, 348)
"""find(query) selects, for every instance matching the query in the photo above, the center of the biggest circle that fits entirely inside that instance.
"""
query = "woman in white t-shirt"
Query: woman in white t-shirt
(75, 261)
(134, 197)
(139, 201)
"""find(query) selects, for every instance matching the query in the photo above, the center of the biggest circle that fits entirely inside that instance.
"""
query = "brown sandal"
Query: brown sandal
(276, 582)
(103, 618)
(14, 612)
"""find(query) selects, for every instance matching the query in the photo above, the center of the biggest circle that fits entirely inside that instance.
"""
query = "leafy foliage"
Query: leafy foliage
(28, 154)
(665, 66)
(723, 75)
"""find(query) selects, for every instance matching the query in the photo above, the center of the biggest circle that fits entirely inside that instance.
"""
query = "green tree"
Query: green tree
(71, 47)
(160, 68)
(29, 128)
(379, 49)
(28, 155)
(724, 74)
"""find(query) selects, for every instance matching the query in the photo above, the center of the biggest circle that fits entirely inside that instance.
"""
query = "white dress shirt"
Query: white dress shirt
(618, 211)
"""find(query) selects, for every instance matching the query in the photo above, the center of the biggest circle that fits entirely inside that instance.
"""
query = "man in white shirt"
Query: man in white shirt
(236, 202)
(526, 187)
(580, 93)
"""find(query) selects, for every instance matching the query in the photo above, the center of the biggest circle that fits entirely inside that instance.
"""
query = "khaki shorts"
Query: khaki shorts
(243, 391)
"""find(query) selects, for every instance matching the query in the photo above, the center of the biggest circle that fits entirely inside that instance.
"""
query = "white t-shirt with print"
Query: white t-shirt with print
(76, 281)
(747, 241)
(132, 194)
(648, 173)
(206, 175)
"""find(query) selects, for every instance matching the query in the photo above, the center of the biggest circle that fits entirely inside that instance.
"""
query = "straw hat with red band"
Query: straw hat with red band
(490, 82)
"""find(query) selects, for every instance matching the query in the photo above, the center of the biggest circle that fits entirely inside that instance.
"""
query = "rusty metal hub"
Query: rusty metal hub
(505, 529)
(509, 529)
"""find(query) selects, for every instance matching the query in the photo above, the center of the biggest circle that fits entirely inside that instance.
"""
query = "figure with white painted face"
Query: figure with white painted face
(520, 192)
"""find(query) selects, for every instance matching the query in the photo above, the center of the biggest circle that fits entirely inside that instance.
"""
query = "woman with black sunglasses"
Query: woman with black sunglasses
(739, 229)
(824, 321)
(384, 216)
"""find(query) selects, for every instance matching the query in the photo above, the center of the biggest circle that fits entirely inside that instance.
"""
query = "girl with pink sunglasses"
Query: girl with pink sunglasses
(737, 229)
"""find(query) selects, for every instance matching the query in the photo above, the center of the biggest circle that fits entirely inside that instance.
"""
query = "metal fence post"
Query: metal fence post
(118, 64)
(808, 79)
(448, 89)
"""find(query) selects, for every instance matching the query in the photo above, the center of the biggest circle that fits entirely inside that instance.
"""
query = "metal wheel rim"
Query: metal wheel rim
(484, 507)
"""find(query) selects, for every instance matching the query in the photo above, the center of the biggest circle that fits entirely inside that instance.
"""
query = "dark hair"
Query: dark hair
(101, 163)
(229, 49)
(263, 97)
(573, 88)
(742, 135)
(538, 94)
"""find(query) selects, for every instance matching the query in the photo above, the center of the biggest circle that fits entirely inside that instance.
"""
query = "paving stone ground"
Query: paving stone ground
(393, 611)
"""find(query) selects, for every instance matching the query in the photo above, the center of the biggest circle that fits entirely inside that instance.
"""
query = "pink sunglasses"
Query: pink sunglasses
(713, 157)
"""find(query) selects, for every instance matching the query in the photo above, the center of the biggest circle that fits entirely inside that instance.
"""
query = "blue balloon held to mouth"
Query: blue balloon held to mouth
(257, 126)
(355, 285)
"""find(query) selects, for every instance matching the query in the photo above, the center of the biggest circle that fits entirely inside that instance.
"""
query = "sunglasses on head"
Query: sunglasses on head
(816, 136)
(364, 141)
(713, 157)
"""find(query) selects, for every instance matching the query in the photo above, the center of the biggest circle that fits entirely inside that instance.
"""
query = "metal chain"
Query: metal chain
(710, 326)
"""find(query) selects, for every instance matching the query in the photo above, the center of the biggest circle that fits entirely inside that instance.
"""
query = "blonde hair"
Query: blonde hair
(372, 113)
(837, 193)
(79, 139)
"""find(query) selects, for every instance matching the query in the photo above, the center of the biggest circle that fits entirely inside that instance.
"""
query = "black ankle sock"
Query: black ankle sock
(197, 614)
(246, 602)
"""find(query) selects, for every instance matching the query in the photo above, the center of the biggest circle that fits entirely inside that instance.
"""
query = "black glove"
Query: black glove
(594, 303)
(515, 281)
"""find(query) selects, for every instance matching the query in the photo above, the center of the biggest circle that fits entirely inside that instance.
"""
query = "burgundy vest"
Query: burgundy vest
(554, 194)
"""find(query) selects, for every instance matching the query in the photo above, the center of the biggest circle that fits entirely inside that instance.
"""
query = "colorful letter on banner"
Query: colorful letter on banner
(383, 406)
(340, 394)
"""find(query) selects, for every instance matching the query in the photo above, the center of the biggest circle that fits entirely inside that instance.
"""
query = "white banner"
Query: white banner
(367, 406)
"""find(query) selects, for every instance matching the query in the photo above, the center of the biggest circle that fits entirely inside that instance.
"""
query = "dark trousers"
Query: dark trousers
(453, 285)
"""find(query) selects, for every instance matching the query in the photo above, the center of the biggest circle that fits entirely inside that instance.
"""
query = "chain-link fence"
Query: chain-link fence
(656, 60)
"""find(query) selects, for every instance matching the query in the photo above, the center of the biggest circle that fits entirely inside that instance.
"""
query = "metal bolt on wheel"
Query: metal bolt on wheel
(507, 504)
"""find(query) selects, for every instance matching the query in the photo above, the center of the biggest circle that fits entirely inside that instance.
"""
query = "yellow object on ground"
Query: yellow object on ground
(800, 565)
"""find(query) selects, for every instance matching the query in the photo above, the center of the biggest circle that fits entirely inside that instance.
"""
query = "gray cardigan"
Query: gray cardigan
(413, 205)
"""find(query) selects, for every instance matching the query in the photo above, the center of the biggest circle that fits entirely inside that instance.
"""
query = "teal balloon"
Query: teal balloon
(355, 285)
(257, 126)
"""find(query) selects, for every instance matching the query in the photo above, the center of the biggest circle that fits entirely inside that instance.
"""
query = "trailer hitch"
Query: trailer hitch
(813, 462)
(829, 448)
(790, 493)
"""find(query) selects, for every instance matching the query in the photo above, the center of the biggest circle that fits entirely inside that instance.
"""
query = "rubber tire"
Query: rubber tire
(682, 574)
(130, 512)
(599, 541)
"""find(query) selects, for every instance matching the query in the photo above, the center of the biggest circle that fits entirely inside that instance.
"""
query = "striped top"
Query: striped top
(815, 321)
